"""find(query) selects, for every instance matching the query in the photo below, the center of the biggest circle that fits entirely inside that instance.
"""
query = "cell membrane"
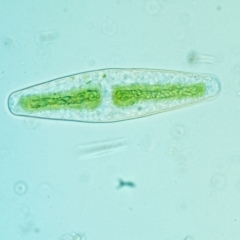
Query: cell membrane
(111, 95)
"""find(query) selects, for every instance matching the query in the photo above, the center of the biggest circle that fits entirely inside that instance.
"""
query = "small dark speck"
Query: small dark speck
(9, 42)
(219, 8)
(123, 183)
(65, 10)
(192, 57)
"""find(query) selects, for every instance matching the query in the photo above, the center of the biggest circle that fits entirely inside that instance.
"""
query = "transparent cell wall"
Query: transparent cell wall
(170, 170)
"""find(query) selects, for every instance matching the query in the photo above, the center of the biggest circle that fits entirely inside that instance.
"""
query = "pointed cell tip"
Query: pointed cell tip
(216, 85)
(13, 103)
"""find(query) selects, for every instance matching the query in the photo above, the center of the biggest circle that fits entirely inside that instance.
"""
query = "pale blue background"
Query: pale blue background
(185, 163)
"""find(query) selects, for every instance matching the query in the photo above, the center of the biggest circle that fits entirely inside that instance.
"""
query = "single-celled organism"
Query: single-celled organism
(111, 95)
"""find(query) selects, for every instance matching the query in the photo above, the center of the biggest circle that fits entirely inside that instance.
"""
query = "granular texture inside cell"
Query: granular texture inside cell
(131, 94)
(111, 95)
(77, 99)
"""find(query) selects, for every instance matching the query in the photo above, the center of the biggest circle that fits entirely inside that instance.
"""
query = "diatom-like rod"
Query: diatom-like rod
(111, 95)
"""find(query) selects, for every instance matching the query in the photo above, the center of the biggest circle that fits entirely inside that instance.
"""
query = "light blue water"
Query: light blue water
(170, 176)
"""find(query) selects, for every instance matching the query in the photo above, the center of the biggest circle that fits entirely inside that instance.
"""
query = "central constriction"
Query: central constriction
(113, 94)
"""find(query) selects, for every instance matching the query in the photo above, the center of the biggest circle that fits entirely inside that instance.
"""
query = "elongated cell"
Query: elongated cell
(110, 95)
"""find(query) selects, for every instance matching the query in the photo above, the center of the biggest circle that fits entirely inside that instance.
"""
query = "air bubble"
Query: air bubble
(20, 188)
(147, 142)
(109, 28)
(9, 42)
(46, 37)
(78, 236)
(218, 181)
(85, 178)
(178, 131)
(188, 238)
(152, 7)
(31, 130)
(44, 52)
(73, 236)
(66, 237)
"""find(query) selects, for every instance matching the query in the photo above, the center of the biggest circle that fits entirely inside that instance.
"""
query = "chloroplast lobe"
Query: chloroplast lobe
(131, 94)
(75, 99)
